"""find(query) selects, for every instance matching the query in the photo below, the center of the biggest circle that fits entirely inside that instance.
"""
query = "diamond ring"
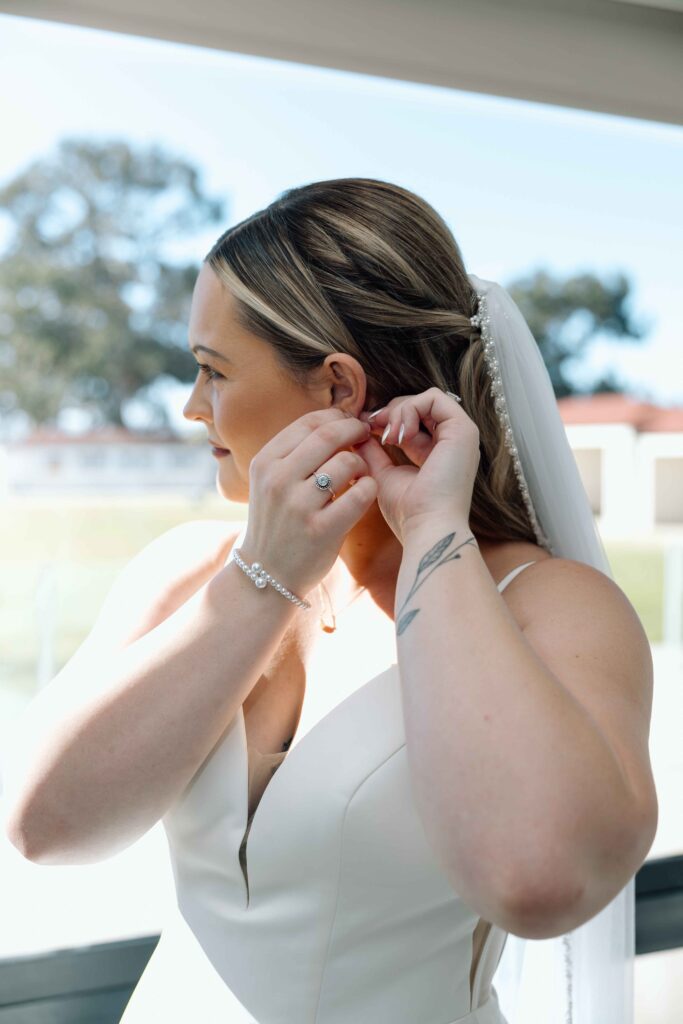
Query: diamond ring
(324, 482)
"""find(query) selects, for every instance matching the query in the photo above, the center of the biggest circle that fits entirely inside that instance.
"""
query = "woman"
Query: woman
(360, 852)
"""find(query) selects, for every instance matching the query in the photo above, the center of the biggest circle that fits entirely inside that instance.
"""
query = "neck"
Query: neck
(370, 557)
(370, 552)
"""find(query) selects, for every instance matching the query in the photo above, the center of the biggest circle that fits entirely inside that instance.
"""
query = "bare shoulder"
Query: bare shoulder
(575, 615)
(555, 588)
(554, 584)
(194, 543)
(208, 538)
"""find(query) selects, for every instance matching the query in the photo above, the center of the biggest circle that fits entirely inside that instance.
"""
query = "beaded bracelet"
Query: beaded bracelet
(261, 579)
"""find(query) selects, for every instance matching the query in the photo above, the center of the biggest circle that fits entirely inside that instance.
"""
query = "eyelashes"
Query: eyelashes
(209, 372)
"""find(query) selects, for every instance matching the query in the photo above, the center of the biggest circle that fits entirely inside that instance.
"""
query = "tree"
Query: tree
(565, 315)
(92, 311)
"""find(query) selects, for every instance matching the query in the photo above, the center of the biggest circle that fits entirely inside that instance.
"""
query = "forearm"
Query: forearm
(499, 751)
(110, 768)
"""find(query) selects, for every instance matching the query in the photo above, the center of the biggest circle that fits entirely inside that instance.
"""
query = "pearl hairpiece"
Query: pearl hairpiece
(482, 320)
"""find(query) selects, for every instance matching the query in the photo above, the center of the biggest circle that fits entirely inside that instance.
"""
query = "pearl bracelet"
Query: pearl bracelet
(261, 579)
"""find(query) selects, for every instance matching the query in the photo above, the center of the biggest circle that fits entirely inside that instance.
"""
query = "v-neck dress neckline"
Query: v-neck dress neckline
(328, 904)
(315, 708)
(259, 763)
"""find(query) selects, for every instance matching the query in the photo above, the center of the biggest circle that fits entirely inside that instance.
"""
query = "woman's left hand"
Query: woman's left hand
(446, 456)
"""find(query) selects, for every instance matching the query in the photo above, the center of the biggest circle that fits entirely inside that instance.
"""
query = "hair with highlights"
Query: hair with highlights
(369, 268)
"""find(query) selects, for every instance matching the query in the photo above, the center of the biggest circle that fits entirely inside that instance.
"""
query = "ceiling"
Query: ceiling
(621, 57)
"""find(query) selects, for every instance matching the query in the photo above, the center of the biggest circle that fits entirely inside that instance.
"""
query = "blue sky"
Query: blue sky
(521, 185)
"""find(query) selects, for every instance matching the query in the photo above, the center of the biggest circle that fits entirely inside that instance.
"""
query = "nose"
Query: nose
(186, 412)
(189, 412)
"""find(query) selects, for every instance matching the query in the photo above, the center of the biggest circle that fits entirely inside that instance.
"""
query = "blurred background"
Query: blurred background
(122, 160)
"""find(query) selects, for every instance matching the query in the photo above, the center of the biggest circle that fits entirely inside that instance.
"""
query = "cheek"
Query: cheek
(226, 412)
(240, 424)
(252, 418)
(247, 416)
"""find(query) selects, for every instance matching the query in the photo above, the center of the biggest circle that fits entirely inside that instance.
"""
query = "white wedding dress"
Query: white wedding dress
(334, 910)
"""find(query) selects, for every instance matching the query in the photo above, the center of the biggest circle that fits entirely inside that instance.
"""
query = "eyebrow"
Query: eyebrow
(211, 352)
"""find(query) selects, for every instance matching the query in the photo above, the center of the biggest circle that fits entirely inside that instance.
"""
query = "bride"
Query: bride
(476, 788)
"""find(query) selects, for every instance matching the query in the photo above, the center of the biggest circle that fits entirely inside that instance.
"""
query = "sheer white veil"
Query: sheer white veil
(585, 977)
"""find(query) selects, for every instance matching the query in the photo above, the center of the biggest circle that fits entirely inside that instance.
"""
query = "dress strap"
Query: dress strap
(511, 575)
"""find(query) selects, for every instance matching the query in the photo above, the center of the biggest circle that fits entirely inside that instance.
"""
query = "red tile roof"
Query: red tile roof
(609, 407)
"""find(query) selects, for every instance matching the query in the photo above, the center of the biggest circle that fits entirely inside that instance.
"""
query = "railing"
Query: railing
(92, 984)
(85, 985)
(659, 905)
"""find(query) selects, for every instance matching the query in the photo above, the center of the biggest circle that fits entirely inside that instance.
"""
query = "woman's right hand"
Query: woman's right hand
(295, 529)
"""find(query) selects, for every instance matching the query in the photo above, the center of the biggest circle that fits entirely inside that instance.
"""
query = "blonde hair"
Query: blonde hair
(365, 267)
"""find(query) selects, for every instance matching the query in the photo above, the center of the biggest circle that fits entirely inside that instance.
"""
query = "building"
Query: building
(630, 457)
(111, 461)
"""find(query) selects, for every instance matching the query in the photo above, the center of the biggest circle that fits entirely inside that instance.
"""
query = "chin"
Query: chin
(231, 493)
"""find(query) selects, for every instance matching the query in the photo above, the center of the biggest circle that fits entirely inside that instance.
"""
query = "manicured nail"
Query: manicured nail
(375, 412)
(400, 433)
(386, 432)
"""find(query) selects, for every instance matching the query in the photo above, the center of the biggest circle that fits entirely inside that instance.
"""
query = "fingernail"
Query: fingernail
(375, 412)
(400, 433)
(386, 432)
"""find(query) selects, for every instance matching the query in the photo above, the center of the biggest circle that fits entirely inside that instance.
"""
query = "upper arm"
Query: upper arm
(587, 633)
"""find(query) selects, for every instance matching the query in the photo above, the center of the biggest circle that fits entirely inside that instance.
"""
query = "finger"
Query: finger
(409, 420)
(352, 503)
(380, 415)
(322, 443)
(417, 443)
(388, 416)
(387, 425)
(376, 457)
(345, 468)
(438, 410)
(434, 407)
(290, 437)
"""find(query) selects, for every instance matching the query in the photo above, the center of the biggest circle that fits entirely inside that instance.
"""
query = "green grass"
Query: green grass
(639, 571)
(65, 555)
(87, 532)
